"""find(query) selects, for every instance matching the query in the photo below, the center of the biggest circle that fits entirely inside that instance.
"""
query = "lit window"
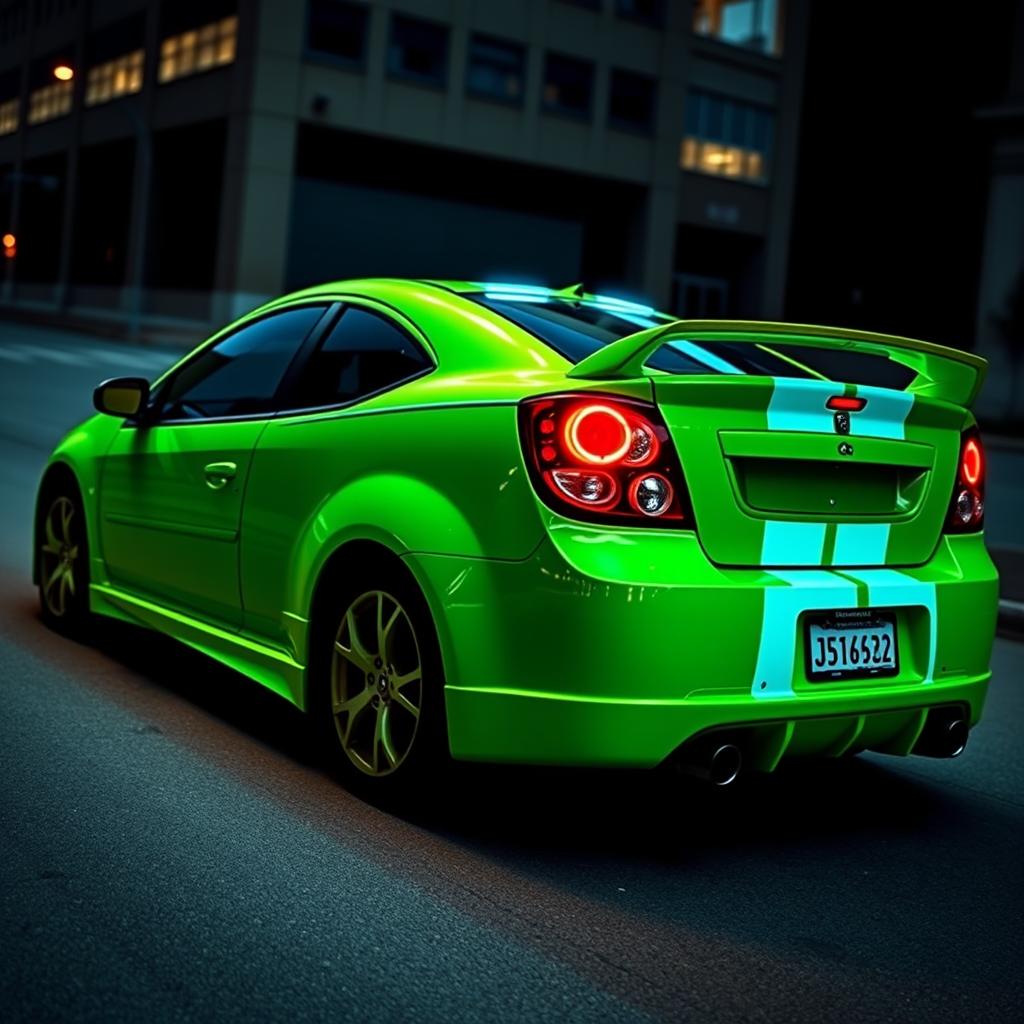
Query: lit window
(50, 101)
(568, 85)
(199, 49)
(754, 24)
(8, 117)
(726, 137)
(496, 69)
(119, 77)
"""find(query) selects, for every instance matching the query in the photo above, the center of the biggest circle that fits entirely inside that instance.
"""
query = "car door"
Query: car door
(316, 444)
(172, 483)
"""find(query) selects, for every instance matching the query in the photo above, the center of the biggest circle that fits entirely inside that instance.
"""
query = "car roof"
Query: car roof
(482, 339)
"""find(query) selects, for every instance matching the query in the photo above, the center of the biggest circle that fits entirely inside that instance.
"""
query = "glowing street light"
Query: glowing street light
(63, 73)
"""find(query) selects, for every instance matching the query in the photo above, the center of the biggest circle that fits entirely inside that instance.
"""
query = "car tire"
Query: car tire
(62, 552)
(377, 687)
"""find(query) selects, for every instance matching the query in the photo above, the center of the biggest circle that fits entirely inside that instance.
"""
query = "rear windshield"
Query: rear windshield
(578, 329)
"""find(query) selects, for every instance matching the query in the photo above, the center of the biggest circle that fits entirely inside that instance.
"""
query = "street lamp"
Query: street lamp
(63, 73)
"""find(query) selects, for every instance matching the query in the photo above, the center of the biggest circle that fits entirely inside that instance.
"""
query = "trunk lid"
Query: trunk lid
(775, 477)
(773, 484)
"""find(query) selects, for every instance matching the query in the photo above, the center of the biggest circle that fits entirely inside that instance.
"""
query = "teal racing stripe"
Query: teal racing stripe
(861, 544)
(788, 543)
(884, 415)
(805, 590)
(889, 588)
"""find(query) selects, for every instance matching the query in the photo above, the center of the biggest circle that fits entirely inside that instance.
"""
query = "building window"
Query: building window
(50, 101)
(753, 24)
(568, 85)
(9, 117)
(631, 100)
(726, 137)
(338, 29)
(119, 77)
(199, 49)
(651, 12)
(496, 69)
(418, 50)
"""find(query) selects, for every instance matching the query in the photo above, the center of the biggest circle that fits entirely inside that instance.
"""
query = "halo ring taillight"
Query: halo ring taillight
(604, 459)
(598, 434)
(967, 505)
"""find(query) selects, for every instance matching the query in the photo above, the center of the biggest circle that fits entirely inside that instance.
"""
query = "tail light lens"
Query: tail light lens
(604, 460)
(967, 506)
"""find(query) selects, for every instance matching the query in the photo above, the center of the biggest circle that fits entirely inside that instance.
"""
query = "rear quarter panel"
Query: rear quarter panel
(445, 480)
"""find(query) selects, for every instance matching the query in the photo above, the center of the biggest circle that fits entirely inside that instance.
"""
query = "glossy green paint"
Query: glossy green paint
(562, 642)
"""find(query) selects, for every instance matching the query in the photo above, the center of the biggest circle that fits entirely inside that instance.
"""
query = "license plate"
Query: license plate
(851, 643)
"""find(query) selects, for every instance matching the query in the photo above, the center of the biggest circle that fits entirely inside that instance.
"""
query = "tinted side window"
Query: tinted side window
(240, 374)
(362, 353)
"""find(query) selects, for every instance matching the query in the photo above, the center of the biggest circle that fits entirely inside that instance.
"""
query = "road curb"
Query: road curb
(1011, 617)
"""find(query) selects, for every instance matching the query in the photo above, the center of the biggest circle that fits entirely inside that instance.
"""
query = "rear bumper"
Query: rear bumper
(610, 649)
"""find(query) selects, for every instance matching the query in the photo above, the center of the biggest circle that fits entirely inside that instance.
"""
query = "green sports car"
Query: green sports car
(509, 523)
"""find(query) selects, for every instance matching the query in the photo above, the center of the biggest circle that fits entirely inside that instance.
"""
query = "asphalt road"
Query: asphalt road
(170, 850)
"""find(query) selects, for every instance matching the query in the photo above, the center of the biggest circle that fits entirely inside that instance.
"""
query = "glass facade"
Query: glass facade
(727, 138)
(752, 24)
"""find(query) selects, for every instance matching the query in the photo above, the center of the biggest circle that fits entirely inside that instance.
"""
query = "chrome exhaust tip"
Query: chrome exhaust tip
(725, 765)
(944, 735)
(712, 760)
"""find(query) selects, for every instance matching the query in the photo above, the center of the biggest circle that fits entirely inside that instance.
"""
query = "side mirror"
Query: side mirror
(122, 396)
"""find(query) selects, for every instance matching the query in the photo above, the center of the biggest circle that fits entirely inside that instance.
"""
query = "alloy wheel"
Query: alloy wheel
(376, 683)
(59, 555)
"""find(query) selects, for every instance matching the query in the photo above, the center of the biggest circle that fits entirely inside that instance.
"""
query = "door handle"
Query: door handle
(218, 474)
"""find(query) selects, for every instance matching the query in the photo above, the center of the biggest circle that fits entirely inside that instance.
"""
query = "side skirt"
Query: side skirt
(270, 667)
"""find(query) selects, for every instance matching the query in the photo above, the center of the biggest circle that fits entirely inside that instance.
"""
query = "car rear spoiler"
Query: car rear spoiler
(941, 372)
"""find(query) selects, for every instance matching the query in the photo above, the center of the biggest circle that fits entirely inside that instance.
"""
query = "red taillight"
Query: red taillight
(604, 459)
(840, 403)
(967, 505)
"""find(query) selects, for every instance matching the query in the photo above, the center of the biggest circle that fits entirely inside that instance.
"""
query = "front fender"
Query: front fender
(79, 452)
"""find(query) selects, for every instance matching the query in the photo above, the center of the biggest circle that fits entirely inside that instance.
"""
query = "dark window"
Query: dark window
(418, 50)
(631, 101)
(650, 11)
(116, 39)
(339, 29)
(362, 354)
(568, 85)
(496, 69)
(182, 15)
(577, 330)
(591, 5)
(240, 375)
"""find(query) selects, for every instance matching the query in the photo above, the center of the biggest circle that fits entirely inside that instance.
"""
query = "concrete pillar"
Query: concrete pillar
(259, 158)
(661, 213)
(138, 111)
(787, 137)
